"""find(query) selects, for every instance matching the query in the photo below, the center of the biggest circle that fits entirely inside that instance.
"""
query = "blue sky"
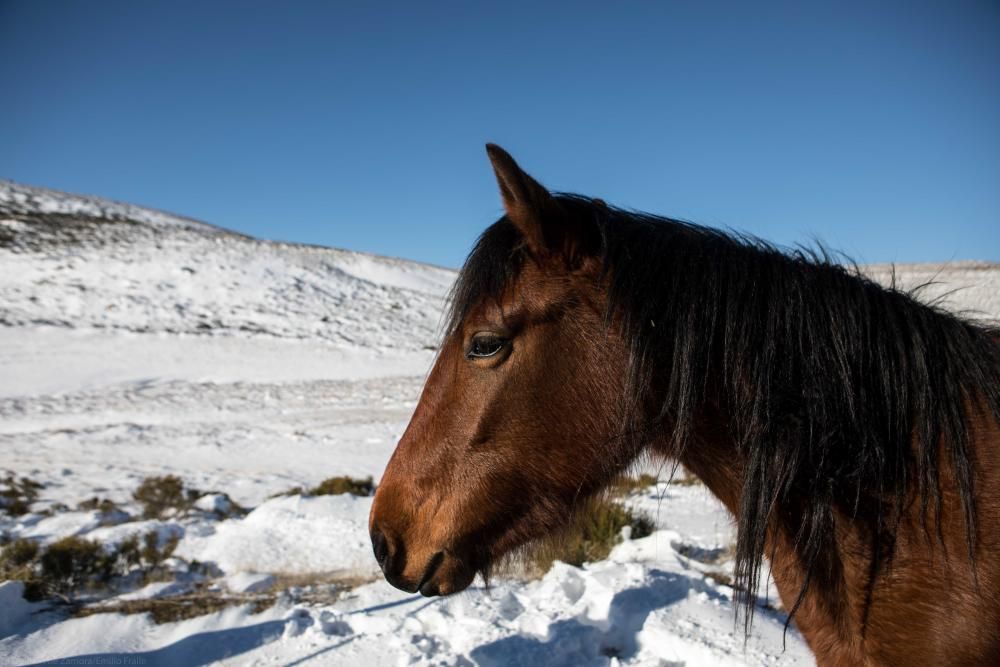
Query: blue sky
(873, 126)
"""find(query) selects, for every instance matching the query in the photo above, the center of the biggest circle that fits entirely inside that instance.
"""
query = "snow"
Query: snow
(63, 524)
(214, 502)
(135, 343)
(15, 611)
(249, 582)
(112, 536)
(95, 359)
(157, 589)
(293, 535)
(653, 612)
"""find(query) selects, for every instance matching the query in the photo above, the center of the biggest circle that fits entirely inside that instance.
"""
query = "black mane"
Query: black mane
(839, 391)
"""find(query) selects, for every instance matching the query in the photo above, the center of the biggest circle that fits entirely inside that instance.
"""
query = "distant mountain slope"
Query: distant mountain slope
(969, 288)
(18, 199)
(77, 261)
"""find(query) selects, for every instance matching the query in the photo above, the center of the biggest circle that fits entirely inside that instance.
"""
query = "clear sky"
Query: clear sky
(873, 126)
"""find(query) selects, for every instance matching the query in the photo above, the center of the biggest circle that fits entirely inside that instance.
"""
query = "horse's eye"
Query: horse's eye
(484, 346)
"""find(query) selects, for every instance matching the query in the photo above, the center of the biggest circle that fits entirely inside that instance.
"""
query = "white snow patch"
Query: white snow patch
(49, 360)
(293, 535)
(249, 582)
(15, 611)
(156, 589)
(214, 502)
(63, 524)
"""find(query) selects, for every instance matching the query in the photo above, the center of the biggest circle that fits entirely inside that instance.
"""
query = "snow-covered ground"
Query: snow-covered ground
(134, 343)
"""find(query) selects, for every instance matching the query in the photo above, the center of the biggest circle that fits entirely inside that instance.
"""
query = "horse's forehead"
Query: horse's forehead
(532, 292)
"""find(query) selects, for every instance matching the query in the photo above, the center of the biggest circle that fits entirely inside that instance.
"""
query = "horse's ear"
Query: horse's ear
(526, 201)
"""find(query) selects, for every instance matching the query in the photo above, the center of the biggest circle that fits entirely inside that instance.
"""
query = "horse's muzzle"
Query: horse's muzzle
(443, 573)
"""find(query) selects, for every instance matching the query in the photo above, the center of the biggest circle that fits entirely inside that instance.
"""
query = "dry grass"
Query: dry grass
(284, 580)
(317, 589)
(720, 577)
(684, 478)
(591, 537)
(335, 486)
(179, 607)
(627, 485)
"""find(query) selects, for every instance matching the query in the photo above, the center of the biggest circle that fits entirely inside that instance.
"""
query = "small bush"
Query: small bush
(128, 554)
(20, 561)
(19, 552)
(110, 514)
(95, 504)
(74, 562)
(142, 553)
(152, 553)
(596, 530)
(336, 486)
(18, 494)
(17, 560)
(160, 495)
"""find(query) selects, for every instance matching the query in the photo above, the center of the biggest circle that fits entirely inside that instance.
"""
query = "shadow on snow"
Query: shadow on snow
(199, 649)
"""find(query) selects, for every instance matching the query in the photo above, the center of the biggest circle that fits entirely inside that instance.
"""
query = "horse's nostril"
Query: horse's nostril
(380, 546)
(390, 553)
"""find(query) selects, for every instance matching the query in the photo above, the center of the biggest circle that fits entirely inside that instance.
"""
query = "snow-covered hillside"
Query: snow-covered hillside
(971, 289)
(85, 264)
(134, 344)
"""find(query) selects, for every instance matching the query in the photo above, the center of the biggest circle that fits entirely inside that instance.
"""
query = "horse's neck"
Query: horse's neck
(713, 457)
(833, 617)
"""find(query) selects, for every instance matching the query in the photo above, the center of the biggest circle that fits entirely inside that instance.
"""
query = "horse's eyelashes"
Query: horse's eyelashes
(485, 346)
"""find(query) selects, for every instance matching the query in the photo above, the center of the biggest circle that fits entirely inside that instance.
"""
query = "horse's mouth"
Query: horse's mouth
(426, 587)
(445, 574)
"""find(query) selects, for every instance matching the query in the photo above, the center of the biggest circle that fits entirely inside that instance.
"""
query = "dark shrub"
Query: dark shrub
(17, 560)
(17, 495)
(336, 486)
(157, 495)
(153, 554)
(72, 563)
(128, 554)
(95, 504)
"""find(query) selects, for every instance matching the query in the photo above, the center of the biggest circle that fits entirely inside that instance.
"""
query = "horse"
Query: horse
(851, 430)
